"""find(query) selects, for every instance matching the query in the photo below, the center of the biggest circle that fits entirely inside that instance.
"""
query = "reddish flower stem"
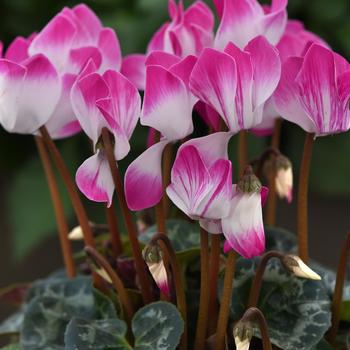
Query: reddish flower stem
(302, 218)
(202, 319)
(242, 151)
(117, 282)
(338, 291)
(257, 281)
(168, 250)
(213, 278)
(270, 219)
(71, 187)
(114, 232)
(140, 265)
(167, 163)
(225, 301)
(253, 314)
(62, 225)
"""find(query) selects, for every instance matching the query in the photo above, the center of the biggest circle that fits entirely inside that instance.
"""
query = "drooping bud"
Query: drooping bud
(249, 182)
(296, 266)
(284, 178)
(154, 260)
(243, 333)
(76, 234)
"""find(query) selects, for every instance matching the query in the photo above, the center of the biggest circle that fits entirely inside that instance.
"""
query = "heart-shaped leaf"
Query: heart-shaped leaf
(12, 324)
(53, 303)
(297, 310)
(157, 326)
(107, 334)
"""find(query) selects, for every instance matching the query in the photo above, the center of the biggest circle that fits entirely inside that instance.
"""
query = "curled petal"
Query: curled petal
(78, 59)
(243, 228)
(200, 14)
(183, 69)
(109, 47)
(167, 104)
(158, 40)
(216, 84)
(84, 94)
(134, 68)
(94, 179)
(209, 115)
(143, 178)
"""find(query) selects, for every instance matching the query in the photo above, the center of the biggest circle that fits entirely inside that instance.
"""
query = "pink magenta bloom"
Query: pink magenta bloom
(167, 108)
(112, 101)
(314, 91)
(294, 42)
(243, 20)
(239, 83)
(188, 32)
(201, 191)
(243, 228)
(29, 93)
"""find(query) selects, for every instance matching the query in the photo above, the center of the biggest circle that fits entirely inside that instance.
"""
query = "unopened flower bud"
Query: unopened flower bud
(284, 178)
(153, 258)
(249, 182)
(243, 333)
(295, 265)
(76, 234)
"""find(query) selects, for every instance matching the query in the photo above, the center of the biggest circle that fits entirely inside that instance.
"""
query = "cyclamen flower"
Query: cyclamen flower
(112, 101)
(295, 42)
(73, 42)
(314, 91)
(167, 108)
(243, 227)
(237, 83)
(201, 190)
(188, 32)
(243, 20)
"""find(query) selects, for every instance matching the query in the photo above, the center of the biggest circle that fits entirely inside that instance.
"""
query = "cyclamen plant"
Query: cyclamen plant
(206, 255)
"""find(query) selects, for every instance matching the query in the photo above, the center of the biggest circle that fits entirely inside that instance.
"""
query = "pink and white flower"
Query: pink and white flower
(314, 91)
(243, 20)
(167, 108)
(243, 227)
(188, 32)
(112, 101)
(239, 83)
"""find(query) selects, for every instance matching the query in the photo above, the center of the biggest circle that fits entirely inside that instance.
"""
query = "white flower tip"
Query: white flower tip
(242, 344)
(103, 273)
(284, 183)
(76, 234)
(300, 269)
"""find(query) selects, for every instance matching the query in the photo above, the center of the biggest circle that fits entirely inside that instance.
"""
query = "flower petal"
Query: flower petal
(78, 59)
(84, 94)
(211, 147)
(39, 96)
(159, 275)
(243, 227)
(215, 84)
(239, 23)
(134, 68)
(63, 122)
(184, 68)
(11, 80)
(209, 115)
(318, 89)
(18, 50)
(287, 99)
(167, 104)
(190, 182)
(161, 58)
(200, 14)
(211, 225)
(266, 69)
(94, 179)
(143, 178)
(55, 40)
(126, 101)
(158, 40)
(109, 47)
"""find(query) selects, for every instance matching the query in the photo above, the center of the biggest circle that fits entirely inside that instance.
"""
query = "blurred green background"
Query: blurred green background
(27, 225)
